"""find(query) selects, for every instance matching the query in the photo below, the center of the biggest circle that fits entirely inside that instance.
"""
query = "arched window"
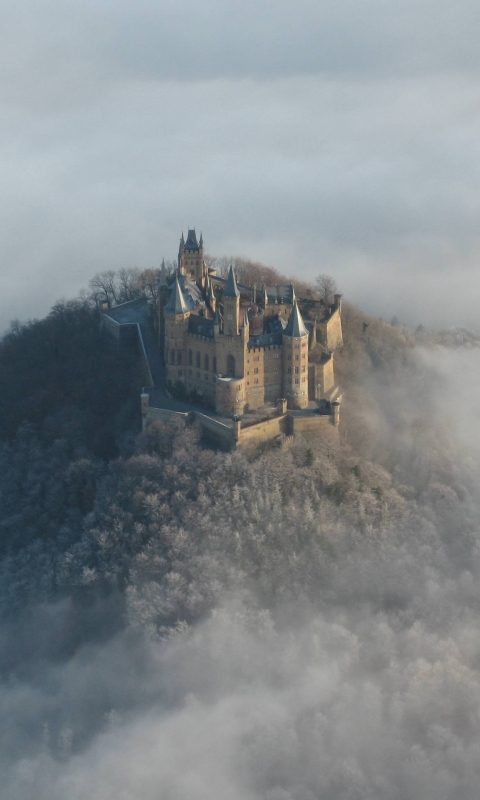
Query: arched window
(214, 364)
(198, 359)
(231, 366)
(172, 356)
(206, 365)
(190, 357)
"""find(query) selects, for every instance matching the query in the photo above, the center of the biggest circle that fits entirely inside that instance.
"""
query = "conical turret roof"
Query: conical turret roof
(231, 288)
(295, 325)
(176, 304)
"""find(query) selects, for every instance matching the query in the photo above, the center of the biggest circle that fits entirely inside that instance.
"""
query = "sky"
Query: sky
(339, 138)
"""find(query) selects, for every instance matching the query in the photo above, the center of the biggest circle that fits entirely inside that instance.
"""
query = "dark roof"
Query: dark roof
(176, 303)
(276, 324)
(191, 293)
(265, 340)
(191, 243)
(280, 294)
(200, 326)
(295, 325)
(231, 288)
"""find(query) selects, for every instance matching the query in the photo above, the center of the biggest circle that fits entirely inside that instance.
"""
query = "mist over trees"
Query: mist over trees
(279, 624)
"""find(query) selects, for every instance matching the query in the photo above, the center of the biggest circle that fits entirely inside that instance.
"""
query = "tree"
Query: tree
(327, 287)
(105, 282)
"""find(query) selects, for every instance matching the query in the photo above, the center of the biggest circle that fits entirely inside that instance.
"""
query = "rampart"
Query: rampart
(234, 435)
(126, 332)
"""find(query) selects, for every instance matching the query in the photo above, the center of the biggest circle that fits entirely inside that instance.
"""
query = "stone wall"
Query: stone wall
(331, 331)
(263, 431)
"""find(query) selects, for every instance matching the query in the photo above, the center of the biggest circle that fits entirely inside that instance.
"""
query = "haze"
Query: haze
(339, 138)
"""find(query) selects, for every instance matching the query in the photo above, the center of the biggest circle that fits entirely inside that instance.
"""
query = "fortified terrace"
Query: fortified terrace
(250, 363)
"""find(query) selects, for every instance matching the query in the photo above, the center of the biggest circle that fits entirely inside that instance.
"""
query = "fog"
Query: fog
(348, 675)
(338, 139)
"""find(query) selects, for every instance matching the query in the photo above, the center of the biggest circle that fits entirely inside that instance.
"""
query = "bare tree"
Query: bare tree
(327, 287)
(106, 282)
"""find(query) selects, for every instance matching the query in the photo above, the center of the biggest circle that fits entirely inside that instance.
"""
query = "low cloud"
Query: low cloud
(332, 139)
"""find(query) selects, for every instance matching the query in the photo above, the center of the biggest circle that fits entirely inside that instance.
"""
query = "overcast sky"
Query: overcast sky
(316, 137)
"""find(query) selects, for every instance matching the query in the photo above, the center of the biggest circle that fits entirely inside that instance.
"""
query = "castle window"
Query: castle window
(214, 364)
(179, 357)
(230, 366)
(297, 370)
(297, 380)
(255, 371)
(255, 380)
(256, 358)
(289, 370)
(206, 365)
(198, 360)
(190, 357)
(275, 367)
(198, 374)
(206, 377)
(303, 368)
(172, 357)
(179, 373)
(297, 358)
(303, 380)
(289, 357)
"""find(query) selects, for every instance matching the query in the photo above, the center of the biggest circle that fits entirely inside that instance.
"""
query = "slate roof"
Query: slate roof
(231, 288)
(176, 303)
(200, 326)
(191, 243)
(191, 293)
(276, 324)
(280, 294)
(265, 340)
(295, 325)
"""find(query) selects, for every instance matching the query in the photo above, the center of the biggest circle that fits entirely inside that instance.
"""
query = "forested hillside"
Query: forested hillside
(170, 571)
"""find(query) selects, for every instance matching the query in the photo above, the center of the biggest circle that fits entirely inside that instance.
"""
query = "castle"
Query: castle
(236, 349)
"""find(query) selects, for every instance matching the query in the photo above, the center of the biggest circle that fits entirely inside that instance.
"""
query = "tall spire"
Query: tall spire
(231, 288)
(176, 304)
(295, 325)
(163, 275)
(200, 244)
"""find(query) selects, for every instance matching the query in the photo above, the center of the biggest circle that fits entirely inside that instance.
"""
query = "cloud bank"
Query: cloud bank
(326, 139)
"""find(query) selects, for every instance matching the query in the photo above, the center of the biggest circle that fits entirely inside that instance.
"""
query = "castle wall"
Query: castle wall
(263, 375)
(263, 431)
(331, 331)
(308, 423)
(199, 379)
(321, 379)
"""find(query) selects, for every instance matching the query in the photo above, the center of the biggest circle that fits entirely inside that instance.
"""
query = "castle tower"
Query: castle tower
(295, 360)
(176, 314)
(231, 306)
(162, 300)
(190, 258)
(181, 259)
(245, 329)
